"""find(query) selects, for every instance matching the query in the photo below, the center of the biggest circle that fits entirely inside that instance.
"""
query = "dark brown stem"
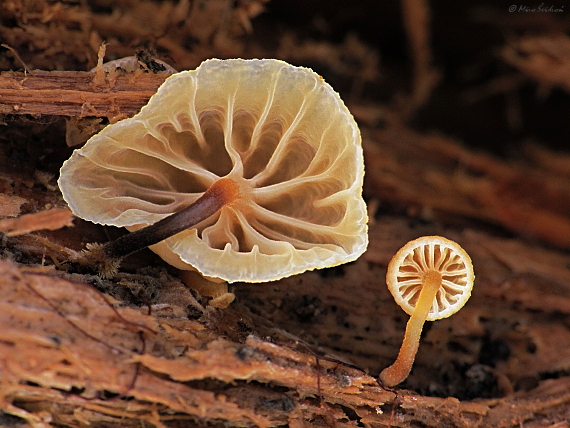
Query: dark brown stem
(219, 194)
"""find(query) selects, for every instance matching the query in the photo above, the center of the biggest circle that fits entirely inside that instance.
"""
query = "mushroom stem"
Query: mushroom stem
(401, 368)
(219, 194)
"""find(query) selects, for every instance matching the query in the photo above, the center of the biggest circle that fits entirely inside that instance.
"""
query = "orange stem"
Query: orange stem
(401, 368)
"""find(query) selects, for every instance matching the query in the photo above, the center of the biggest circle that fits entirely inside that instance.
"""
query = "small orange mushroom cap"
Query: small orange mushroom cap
(280, 133)
(409, 266)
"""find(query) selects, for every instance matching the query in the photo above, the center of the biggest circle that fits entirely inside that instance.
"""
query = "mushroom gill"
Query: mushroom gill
(278, 134)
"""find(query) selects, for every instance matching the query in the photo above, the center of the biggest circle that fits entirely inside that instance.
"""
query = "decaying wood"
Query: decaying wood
(10, 205)
(83, 356)
(52, 219)
(530, 197)
(76, 93)
(69, 336)
(73, 345)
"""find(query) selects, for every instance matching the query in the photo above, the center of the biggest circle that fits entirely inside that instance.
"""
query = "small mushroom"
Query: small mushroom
(245, 170)
(430, 278)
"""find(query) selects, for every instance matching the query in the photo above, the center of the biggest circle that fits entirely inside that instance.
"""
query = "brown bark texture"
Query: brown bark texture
(469, 151)
(75, 93)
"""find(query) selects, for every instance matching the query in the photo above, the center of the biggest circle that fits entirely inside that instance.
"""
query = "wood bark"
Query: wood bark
(76, 93)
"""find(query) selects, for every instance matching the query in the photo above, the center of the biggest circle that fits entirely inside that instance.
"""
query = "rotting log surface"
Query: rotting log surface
(75, 93)
(67, 351)
(529, 196)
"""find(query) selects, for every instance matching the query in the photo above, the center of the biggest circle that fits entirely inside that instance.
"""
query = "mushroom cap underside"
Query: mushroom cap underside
(279, 129)
(408, 267)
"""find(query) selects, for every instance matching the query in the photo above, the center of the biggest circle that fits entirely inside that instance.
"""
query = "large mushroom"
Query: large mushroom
(245, 170)
(430, 278)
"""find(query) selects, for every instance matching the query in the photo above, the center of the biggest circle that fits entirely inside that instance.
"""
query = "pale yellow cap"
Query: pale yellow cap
(278, 128)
